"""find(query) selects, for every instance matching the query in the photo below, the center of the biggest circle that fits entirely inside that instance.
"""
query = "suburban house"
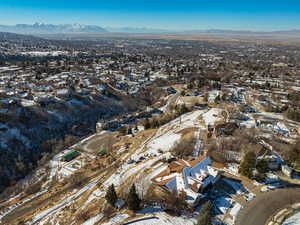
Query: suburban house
(225, 129)
(192, 177)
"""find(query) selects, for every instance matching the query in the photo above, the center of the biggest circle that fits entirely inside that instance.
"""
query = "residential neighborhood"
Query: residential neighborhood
(147, 131)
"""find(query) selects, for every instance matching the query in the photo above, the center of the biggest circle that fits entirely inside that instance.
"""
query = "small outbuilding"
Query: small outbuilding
(70, 155)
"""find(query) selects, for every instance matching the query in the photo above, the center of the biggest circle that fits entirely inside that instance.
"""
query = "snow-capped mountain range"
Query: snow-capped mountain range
(41, 28)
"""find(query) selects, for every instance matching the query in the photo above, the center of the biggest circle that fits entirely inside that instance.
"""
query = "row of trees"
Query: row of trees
(293, 114)
(226, 149)
(185, 147)
(166, 117)
(127, 130)
(294, 155)
(173, 203)
(251, 166)
(133, 201)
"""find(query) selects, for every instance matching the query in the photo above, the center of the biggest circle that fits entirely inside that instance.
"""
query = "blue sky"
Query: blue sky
(166, 14)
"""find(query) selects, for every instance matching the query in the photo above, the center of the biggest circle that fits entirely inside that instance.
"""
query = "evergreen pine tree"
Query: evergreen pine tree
(133, 201)
(205, 214)
(123, 130)
(111, 195)
(248, 164)
(147, 124)
(217, 99)
(205, 97)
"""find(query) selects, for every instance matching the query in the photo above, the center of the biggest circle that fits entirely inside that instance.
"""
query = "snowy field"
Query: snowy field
(164, 139)
(155, 216)
(156, 147)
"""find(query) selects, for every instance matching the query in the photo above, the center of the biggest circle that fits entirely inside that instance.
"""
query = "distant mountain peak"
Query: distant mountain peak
(42, 28)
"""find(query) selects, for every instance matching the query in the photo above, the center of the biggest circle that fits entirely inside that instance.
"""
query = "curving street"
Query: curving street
(260, 209)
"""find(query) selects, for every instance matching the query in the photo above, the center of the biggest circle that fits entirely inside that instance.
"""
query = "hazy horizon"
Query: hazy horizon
(265, 15)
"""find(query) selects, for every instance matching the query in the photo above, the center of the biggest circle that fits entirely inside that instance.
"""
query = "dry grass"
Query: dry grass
(105, 141)
(61, 190)
(192, 99)
(187, 131)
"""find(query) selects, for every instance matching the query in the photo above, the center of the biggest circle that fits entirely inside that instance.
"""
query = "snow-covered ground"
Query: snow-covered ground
(48, 212)
(164, 143)
(20, 203)
(70, 168)
(164, 139)
(293, 220)
(117, 219)
(164, 219)
(232, 168)
(212, 116)
(46, 53)
(96, 194)
(93, 220)
(55, 163)
(212, 95)
(235, 210)
(156, 216)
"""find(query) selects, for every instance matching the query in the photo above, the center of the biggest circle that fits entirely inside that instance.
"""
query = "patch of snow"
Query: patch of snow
(93, 220)
(162, 218)
(212, 116)
(233, 168)
(212, 95)
(48, 212)
(94, 195)
(293, 220)
(164, 143)
(235, 210)
(250, 197)
(271, 178)
(117, 219)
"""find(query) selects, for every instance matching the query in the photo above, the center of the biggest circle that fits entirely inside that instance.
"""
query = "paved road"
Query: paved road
(260, 209)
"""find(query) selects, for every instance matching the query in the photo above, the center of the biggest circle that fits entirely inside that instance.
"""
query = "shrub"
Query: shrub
(294, 155)
(205, 214)
(147, 124)
(33, 188)
(82, 216)
(102, 152)
(108, 211)
(77, 179)
(262, 166)
(293, 114)
(175, 203)
(185, 147)
(123, 130)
